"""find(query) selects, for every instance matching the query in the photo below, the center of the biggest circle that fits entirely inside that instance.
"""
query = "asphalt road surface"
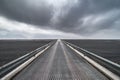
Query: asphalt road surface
(59, 63)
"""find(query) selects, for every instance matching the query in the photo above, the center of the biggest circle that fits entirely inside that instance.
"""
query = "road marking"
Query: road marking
(49, 65)
(68, 62)
(19, 68)
(21, 57)
(95, 64)
(113, 63)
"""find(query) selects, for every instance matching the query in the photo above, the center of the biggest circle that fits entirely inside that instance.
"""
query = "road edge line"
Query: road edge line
(19, 68)
(97, 65)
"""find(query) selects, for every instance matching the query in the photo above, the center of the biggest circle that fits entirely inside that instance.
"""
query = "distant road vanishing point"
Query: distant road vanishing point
(60, 61)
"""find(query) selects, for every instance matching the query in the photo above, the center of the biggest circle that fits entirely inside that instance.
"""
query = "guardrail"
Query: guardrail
(111, 66)
(5, 69)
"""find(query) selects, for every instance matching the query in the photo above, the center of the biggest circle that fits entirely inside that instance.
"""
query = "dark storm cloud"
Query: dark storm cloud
(71, 19)
(41, 13)
(100, 22)
(20, 10)
(83, 8)
(104, 5)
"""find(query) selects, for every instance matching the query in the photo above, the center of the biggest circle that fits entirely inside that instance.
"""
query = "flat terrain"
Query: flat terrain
(12, 49)
(59, 63)
(109, 49)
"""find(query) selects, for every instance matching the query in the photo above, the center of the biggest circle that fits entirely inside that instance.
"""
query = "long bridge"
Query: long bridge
(60, 60)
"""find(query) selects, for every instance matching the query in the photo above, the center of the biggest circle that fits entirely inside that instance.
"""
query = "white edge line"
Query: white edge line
(21, 57)
(111, 62)
(98, 66)
(19, 68)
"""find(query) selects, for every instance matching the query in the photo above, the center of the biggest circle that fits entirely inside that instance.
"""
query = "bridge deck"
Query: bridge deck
(59, 63)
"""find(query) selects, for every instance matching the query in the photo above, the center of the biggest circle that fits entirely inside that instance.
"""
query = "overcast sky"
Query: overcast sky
(82, 19)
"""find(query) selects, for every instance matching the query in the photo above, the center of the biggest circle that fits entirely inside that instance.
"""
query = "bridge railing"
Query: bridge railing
(113, 67)
(5, 69)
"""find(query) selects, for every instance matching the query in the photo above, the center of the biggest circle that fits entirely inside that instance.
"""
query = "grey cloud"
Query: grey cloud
(107, 22)
(104, 5)
(4, 34)
(20, 10)
(71, 21)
